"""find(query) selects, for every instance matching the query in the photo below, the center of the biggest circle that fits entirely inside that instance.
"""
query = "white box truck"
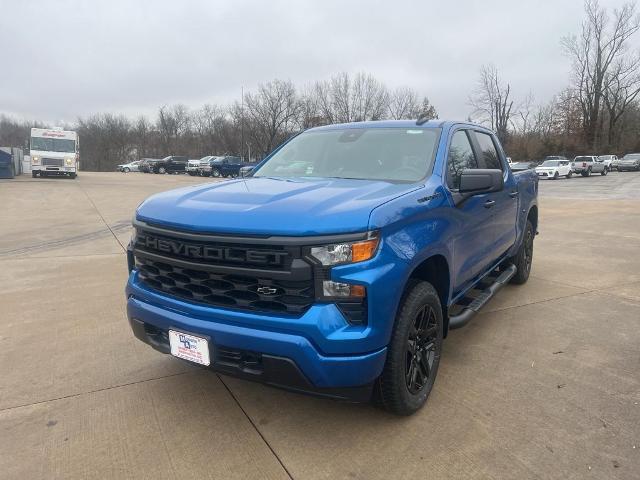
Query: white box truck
(54, 152)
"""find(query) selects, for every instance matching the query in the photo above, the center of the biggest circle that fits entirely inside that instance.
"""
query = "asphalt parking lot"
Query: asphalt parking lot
(544, 383)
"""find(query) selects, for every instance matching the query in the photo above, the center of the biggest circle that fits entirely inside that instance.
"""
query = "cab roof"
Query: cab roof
(396, 124)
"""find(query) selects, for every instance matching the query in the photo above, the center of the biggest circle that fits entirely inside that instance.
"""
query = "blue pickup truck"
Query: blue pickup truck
(340, 264)
(225, 167)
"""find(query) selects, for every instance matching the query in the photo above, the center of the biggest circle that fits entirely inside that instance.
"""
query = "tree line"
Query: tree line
(250, 128)
(597, 112)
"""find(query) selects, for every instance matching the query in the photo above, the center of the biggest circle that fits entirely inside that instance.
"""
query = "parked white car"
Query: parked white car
(129, 167)
(193, 167)
(554, 169)
(196, 167)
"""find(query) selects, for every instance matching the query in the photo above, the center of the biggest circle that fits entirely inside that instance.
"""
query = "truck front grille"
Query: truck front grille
(52, 162)
(246, 292)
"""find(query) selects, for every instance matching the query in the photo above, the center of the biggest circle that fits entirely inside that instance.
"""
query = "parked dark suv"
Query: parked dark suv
(170, 164)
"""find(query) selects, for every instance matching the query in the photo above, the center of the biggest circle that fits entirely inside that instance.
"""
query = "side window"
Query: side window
(460, 157)
(488, 151)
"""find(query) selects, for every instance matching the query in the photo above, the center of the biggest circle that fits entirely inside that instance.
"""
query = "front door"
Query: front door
(505, 206)
(471, 217)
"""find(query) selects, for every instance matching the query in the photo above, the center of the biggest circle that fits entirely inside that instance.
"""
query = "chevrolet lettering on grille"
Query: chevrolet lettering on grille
(208, 252)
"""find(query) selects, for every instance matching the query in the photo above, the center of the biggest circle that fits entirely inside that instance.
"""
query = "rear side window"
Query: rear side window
(488, 151)
(460, 157)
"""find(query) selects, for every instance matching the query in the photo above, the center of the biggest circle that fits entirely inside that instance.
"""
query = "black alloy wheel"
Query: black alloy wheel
(422, 349)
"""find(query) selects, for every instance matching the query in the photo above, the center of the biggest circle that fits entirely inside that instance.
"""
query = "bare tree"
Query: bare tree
(600, 45)
(309, 111)
(271, 113)
(622, 88)
(492, 101)
(403, 104)
(344, 99)
(369, 98)
(173, 124)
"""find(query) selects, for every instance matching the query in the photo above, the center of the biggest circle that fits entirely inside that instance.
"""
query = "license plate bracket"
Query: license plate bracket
(190, 347)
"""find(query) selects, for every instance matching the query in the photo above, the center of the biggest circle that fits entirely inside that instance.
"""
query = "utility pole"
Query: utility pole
(242, 123)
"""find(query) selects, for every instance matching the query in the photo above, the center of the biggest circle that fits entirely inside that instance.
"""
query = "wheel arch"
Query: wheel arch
(532, 216)
(435, 270)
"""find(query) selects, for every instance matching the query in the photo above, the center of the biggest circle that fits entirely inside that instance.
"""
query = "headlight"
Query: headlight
(339, 289)
(68, 162)
(35, 160)
(346, 252)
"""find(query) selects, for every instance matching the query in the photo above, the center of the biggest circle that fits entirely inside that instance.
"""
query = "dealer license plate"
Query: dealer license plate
(189, 347)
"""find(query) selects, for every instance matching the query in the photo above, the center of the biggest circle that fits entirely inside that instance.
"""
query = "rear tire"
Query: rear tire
(162, 170)
(413, 355)
(604, 172)
(126, 169)
(523, 259)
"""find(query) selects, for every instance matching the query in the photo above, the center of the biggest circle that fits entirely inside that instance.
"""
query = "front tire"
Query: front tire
(570, 174)
(604, 172)
(413, 355)
(126, 169)
(523, 259)
(34, 174)
(162, 170)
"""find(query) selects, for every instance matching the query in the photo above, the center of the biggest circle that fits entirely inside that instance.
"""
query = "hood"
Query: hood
(270, 206)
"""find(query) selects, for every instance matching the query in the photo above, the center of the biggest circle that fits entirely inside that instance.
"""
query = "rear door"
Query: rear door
(473, 233)
(505, 202)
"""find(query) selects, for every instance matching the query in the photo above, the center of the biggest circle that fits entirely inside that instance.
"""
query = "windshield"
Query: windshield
(550, 163)
(53, 144)
(392, 154)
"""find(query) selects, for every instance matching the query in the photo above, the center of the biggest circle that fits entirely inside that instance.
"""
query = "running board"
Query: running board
(469, 311)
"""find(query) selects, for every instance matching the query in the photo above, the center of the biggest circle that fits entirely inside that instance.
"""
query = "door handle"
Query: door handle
(513, 194)
(489, 203)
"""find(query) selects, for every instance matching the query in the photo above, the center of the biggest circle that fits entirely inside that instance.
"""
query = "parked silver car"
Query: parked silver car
(129, 167)
(608, 160)
(631, 161)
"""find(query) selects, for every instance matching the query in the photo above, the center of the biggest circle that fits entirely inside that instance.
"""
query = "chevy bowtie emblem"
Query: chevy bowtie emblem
(266, 290)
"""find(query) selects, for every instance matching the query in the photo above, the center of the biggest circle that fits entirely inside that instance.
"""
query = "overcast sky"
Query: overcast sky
(64, 59)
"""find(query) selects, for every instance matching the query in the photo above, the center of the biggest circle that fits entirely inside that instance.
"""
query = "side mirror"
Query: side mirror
(475, 181)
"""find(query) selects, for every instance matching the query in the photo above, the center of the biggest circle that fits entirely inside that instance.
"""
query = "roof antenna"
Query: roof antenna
(422, 119)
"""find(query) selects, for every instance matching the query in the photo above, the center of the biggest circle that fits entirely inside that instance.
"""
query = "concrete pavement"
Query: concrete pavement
(544, 383)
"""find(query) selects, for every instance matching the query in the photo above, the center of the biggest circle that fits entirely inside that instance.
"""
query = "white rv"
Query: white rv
(54, 152)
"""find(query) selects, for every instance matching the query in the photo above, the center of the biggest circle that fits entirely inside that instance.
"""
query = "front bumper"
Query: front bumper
(288, 359)
(53, 170)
